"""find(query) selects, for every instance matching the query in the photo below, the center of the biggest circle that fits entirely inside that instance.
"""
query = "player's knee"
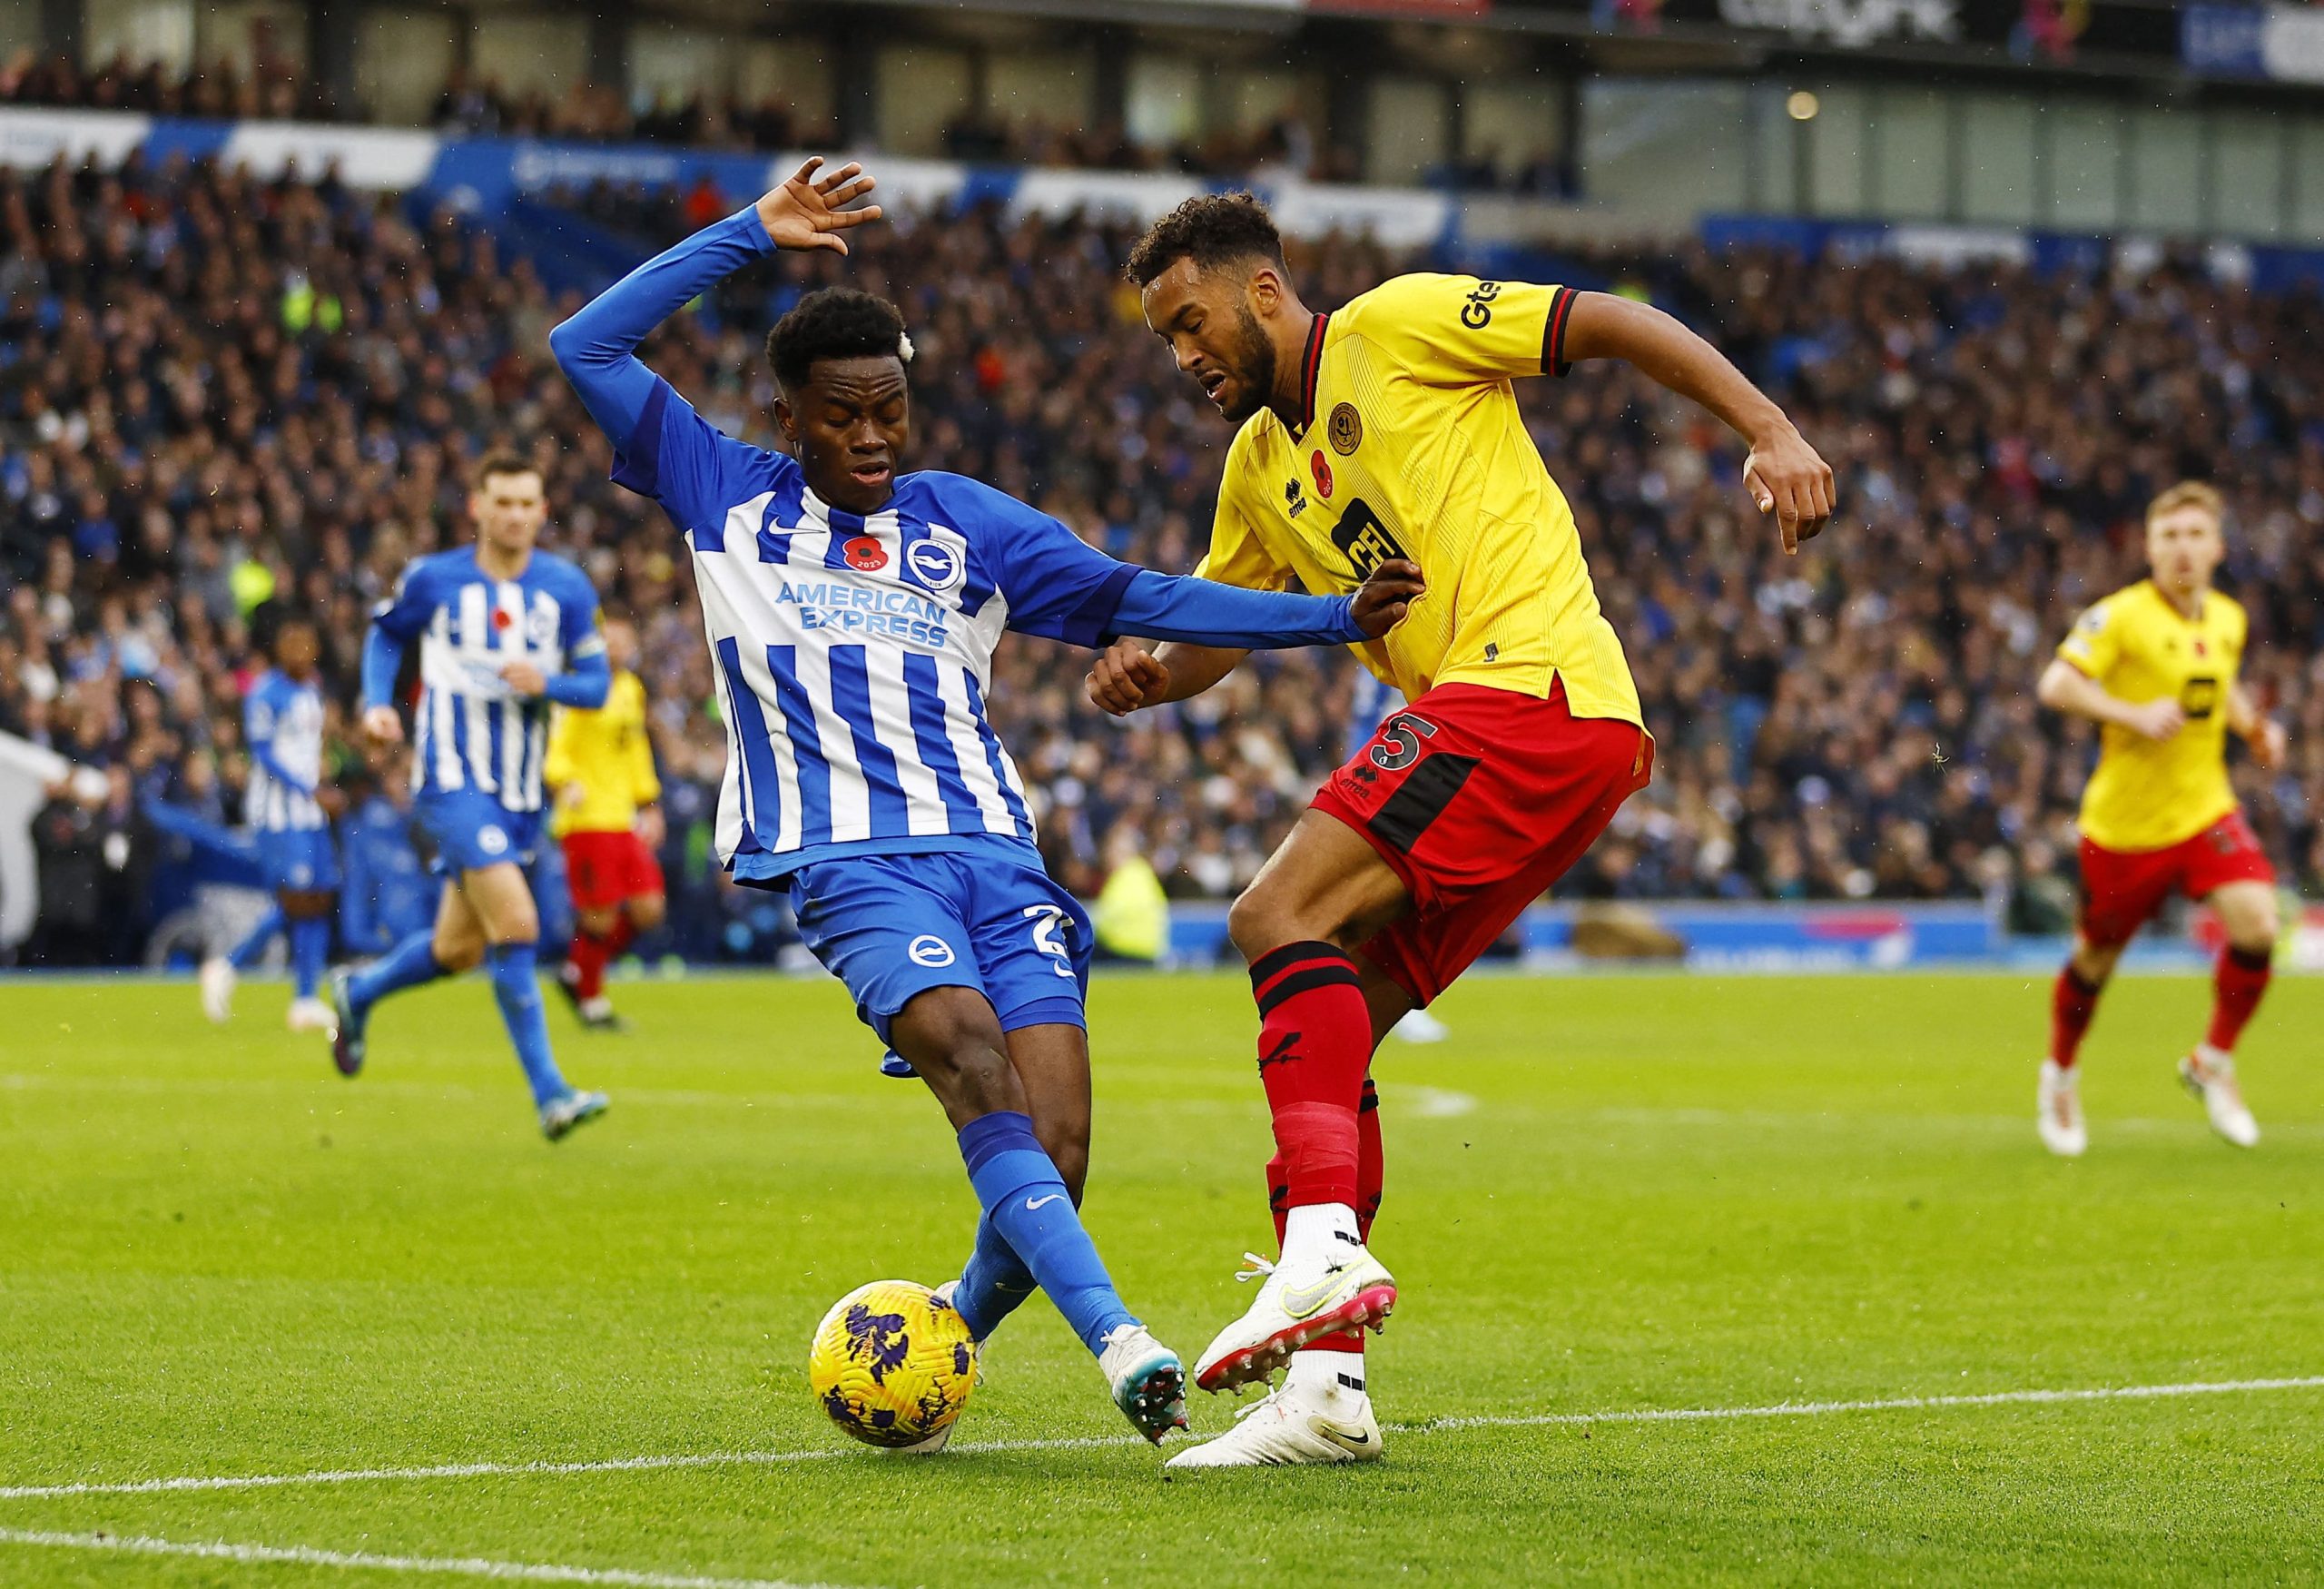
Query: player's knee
(974, 1077)
(646, 913)
(459, 955)
(1257, 923)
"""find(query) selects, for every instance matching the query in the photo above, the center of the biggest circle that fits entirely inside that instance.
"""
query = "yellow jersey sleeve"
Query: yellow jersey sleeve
(2094, 643)
(1236, 555)
(1456, 331)
(557, 765)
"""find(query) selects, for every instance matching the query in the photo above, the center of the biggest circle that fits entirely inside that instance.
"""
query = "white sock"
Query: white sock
(1328, 1374)
(1318, 1233)
(2213, 1061)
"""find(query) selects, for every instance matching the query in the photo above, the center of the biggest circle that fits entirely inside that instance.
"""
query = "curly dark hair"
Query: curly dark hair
(1212, 230)
(837, 323)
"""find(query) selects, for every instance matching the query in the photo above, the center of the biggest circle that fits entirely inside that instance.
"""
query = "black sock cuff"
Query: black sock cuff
(1299, 968)
(2251, 959)
(2081, 984)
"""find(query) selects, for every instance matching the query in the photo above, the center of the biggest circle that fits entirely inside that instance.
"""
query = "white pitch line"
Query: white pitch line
(1784, 1409)
(1436, 1103)
(466, 1567)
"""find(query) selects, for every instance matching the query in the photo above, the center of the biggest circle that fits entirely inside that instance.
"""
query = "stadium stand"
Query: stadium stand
(217, 392)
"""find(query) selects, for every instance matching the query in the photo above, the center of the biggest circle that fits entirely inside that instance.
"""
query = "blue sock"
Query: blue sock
(309, 947)
(244, 955)
(995, 1282)
(407, 965)
(514, 984)
(1027, 1203)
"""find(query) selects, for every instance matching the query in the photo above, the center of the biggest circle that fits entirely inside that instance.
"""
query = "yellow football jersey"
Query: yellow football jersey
(1412, 447)
(608, 754)
(2146, 795)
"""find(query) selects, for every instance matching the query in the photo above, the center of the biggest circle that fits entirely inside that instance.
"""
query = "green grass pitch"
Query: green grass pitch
(1605, 1195)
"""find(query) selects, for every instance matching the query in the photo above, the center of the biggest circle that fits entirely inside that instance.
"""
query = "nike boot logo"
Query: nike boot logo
(1033, 1208)
(1302, 1300)
(1335, 1432)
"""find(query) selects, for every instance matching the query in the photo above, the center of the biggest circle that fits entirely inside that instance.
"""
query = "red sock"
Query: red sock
(587, 957)
(1371, 1169)
(2235, 987)
(1315, 1046)
(618, 938)
(2072, 1004)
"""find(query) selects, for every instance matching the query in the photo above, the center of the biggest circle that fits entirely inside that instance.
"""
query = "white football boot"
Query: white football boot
(311, 1015)
(1343, 1288)
(1148, 1382)
(216, 980)
(2058, 1112)
(1319, 1415)
(2209, 1075)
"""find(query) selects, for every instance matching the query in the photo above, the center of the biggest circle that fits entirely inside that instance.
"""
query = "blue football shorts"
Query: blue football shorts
(298, 859)
(891, 927)
(472, 831)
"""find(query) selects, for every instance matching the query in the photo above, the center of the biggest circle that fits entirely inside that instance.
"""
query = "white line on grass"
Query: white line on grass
(466, 1567)
(1784, 1409)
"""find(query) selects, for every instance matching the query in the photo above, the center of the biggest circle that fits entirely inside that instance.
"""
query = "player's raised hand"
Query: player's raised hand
(2157, 720)
(384, 724)
(809, 210)
(1786, 477)
(1387, 596)
(1126, 676)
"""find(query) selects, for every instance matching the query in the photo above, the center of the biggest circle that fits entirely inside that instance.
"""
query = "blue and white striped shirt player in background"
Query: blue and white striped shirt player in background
(503, 630)
(282, 806)
(853, 614)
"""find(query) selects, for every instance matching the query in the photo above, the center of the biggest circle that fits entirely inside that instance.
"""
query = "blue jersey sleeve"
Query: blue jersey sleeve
(395, 624)
(662, 448)
(1057, 585)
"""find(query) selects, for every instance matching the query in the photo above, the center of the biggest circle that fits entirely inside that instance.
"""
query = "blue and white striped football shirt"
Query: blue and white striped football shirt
(282, 723)
(854, 653)
(471, 731)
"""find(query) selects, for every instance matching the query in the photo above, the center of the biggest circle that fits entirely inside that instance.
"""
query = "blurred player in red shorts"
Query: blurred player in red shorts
(601, 765)
(2154, 666)
(1387, 435)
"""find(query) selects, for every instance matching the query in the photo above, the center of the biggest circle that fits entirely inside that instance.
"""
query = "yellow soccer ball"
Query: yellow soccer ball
(892, 1363)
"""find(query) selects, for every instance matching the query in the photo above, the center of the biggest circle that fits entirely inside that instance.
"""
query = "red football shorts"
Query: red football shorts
(1480, 799)
(2122, 889)
(607, 869)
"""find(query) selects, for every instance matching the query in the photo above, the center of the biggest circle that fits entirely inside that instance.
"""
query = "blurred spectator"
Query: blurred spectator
(1854, 722)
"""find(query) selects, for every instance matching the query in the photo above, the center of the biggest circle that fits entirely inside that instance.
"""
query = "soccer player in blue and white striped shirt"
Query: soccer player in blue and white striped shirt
(282, 728)
(853, 614)
(503, 630)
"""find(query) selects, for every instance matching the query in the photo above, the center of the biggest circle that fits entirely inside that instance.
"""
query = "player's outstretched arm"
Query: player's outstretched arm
(1783, 473)
(597, 348)
(1128, 675)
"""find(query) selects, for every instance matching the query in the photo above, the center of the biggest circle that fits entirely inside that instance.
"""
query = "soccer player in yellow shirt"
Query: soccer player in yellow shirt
(601, 765)
(2154, 666)
(1388, 433)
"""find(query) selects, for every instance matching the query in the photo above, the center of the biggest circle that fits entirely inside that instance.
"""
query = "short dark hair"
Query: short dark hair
(837, 323)
(493, 465)
(1212, 230)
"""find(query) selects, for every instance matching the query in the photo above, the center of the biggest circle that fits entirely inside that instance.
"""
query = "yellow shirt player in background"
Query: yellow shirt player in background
(601, 765)
(2155, 666)
(1386, 437)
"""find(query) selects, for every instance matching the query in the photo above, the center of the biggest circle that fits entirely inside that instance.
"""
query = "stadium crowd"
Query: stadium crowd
(273, 87)
(217, 393)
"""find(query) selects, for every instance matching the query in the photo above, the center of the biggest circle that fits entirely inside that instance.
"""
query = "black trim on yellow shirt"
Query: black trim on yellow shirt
(1553, 333)
(1310, 366)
